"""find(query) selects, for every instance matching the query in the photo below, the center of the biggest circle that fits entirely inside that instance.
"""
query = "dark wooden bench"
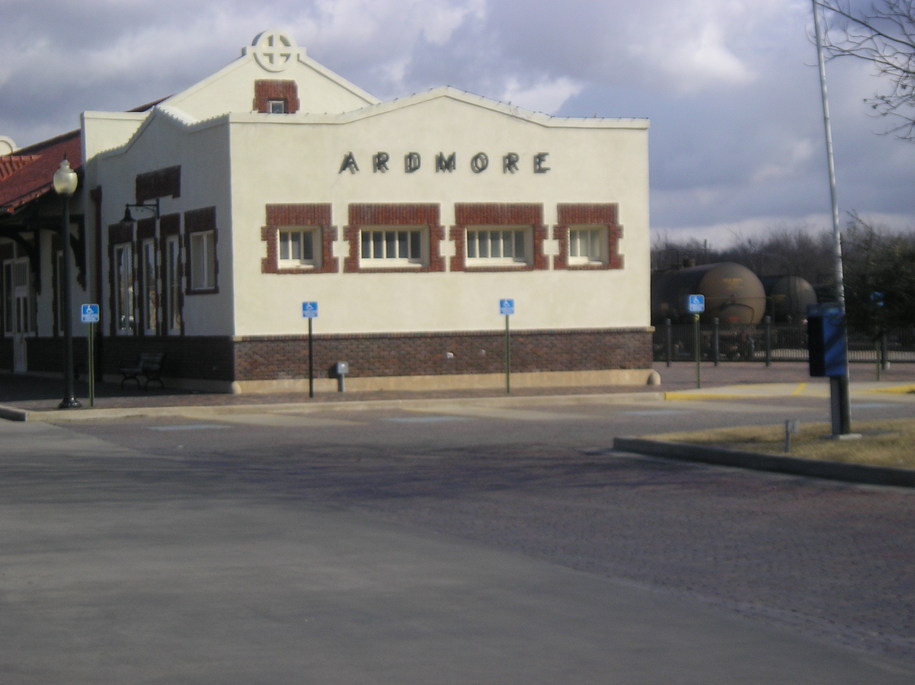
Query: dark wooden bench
(149, 366)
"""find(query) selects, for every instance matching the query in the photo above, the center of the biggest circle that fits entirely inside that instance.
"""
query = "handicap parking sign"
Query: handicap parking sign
(89, 313)
(696, 304)
(506, 306)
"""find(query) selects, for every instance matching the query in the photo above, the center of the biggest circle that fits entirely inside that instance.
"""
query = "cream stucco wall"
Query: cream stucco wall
(298, 161)
(202, 151)
(107, 130)
(239, 162)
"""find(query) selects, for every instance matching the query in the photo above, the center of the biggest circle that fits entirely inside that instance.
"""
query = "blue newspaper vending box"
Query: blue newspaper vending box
(826, 340)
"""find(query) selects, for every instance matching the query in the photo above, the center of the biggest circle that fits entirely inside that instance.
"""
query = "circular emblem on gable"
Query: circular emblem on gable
(7, 146)
(274, 50)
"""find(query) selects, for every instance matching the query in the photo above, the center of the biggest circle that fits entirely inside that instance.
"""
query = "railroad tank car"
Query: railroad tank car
(733, 294)
(788, 298)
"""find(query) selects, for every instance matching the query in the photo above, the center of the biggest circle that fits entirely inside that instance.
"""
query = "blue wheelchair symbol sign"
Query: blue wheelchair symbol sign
(506, 306)
(89, 313)
(310, 310)
(696, 304)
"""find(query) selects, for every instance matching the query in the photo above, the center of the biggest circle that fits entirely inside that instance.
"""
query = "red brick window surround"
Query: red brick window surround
(314, 222)
(471, 217)
(387, 218)
(268, 92)
(576, 220)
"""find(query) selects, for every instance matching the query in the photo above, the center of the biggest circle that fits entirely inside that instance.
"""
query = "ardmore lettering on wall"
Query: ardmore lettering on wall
(447, 163)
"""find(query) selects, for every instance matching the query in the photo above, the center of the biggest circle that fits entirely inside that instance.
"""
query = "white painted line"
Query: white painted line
(427, 419)
(189, 427)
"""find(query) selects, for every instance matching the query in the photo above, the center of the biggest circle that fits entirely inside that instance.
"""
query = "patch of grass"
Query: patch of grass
(889, 442)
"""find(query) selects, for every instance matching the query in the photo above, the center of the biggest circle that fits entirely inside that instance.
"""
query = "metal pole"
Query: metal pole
(91, 365)
(311, 361)
(698, 355)
(69, 400)
(508, 358)
(668, 339)
(716, 340)
(877, 357)
(839, 386)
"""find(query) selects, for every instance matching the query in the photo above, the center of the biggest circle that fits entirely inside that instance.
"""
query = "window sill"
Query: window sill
(388, 265)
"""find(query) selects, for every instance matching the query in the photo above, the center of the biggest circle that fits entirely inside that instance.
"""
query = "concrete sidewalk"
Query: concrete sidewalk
(25, 397)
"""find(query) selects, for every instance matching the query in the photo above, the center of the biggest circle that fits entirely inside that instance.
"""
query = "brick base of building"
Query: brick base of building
(447, 360)
(489, 381)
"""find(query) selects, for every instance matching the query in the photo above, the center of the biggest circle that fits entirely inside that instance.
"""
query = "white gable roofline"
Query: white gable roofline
(182, 120)
(229, 91)
(456, 94)
(172, 115)
(441, 93)
(180, 117)
(272, 55)
(227, 96)
(275, 51)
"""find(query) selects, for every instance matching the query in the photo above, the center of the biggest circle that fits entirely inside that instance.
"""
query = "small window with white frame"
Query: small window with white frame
(298, 247)
(587, 245)
(394, 246)
(276, 106)
(203, 260)
(498, 246)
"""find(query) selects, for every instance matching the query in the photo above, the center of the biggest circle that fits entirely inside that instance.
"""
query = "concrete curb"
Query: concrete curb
(897, 389)
(751, 391)
(13, 414)
(811, 468)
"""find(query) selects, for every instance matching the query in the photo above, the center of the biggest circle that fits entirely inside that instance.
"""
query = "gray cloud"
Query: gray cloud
(736, 134)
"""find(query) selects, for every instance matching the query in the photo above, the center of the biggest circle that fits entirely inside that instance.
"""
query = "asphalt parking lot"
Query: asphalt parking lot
(384, 543)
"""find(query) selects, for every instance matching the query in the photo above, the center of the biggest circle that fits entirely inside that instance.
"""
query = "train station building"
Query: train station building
(413, 236)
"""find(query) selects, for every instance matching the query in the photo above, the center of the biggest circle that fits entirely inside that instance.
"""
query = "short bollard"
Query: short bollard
(342, 368)
(791, 428)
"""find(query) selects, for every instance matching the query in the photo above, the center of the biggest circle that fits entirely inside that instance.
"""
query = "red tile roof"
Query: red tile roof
(26, 173)
(10, 164)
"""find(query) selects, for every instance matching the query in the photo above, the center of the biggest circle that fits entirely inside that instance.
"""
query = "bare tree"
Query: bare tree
(667, 253)
(783, 250)
(884, 35)
(879, 281)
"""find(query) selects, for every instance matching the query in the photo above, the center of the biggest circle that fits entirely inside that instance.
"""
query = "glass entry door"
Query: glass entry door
(20, 320)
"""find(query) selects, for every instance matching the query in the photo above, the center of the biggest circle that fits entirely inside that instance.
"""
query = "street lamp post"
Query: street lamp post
(838, 385)
(65, 182)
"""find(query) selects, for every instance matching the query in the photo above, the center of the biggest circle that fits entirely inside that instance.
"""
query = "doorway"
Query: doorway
(20, 319)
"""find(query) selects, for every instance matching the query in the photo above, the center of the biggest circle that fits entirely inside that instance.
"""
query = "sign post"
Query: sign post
(89, 314)
(507, 308)
(696, 305)
(310, 312)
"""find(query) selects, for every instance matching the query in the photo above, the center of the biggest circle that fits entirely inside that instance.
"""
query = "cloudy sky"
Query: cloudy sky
(730, 86)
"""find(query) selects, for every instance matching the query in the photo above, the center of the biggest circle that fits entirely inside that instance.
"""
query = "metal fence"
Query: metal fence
(768, 343)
